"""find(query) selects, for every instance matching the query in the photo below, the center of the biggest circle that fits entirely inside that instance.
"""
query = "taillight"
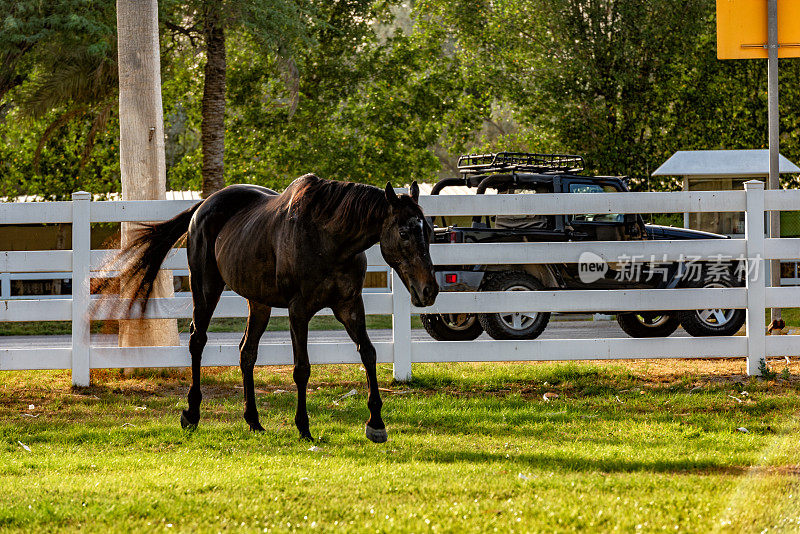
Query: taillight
(453, 237)
(451, 278)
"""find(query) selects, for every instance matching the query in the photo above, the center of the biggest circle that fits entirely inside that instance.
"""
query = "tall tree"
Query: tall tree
(64, 54)
(374, 98)
(609, 70)
(277, 26)
(213, 127)
(142, 164)
(29, 24)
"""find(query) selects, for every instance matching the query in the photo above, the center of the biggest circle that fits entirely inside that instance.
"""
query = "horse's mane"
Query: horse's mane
(336, 205)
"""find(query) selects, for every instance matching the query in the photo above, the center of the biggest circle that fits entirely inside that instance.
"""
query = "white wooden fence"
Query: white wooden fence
(402, 352)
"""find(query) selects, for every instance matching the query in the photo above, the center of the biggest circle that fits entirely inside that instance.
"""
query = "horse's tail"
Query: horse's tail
(139, 261)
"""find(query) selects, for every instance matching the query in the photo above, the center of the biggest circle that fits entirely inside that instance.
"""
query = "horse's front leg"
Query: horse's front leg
(298, 321)
(351, 314)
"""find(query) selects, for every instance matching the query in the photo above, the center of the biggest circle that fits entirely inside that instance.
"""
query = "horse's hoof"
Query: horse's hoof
(186, 423)
(256, 427)
(376, 435)
(307, 437)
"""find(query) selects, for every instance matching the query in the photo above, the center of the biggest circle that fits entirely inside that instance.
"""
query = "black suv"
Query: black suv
(524, 173)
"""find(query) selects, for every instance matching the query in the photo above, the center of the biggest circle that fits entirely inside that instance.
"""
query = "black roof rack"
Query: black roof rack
(519, 161)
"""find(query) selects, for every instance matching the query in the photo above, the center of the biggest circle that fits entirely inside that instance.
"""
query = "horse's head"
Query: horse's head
(405, 245)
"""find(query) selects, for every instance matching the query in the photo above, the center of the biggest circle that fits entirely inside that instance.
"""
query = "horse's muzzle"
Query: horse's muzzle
(425, 296)
(429, 293)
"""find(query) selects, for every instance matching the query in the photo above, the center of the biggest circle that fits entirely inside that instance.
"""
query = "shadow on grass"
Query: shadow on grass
(575, 463)
(452, 448)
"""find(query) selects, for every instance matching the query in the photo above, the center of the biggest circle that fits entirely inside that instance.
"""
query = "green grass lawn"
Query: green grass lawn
(625, 447)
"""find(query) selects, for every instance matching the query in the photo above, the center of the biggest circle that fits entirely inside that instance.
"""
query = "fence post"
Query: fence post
(401, 329)
(81, 292)
(5, 285)
(756, 276)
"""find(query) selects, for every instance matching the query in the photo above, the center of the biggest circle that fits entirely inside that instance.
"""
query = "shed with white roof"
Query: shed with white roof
(719, 170)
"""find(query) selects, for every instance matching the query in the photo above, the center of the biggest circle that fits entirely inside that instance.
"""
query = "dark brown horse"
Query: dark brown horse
(302, 250)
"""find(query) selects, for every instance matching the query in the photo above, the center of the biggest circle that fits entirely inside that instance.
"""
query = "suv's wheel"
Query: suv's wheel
(652, 324)
(713, 322)
(451, 326)
(514, 325)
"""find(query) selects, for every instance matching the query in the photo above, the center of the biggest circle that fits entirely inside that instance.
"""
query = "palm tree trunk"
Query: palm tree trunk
(213, 125)
(141, 144)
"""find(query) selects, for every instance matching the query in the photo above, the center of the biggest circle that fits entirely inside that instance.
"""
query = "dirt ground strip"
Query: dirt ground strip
(648, 374)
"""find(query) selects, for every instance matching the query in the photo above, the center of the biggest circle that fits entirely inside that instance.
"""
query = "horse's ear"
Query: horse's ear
(414, 191)
(391, 196)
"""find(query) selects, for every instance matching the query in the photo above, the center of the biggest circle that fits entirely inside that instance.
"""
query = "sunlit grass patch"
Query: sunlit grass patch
(620, 445)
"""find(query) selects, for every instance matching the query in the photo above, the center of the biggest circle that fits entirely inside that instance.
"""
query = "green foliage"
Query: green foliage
(371, 91)
(354, 121)
(623, 82)
(367, 108)
(60, 63)
(27, 27)
(59, 171)
(610, 71)
(765, 371)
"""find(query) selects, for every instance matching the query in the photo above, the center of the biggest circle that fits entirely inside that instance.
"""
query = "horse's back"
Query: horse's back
(238, 196)
(231, 236)
(268, 247)
(224, 204)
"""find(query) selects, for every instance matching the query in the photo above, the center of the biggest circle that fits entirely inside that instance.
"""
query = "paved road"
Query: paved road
(556, 329)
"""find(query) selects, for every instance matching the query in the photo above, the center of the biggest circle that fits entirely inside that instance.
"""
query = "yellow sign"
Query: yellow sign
(742, 29)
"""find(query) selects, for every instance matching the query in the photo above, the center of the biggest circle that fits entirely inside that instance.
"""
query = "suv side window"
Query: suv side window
(518, 222)
(595, 217)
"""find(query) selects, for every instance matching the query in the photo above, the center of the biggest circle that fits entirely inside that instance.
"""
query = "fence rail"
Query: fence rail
(82, 262)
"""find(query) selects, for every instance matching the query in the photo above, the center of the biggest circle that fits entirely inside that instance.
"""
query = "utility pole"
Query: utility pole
(776, 322)
(141, 144)
(743, 34)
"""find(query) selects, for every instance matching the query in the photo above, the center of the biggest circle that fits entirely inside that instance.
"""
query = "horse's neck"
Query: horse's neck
(356, 240)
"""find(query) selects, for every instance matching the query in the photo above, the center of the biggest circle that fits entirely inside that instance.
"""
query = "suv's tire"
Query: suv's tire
(451, 326)
(713, 322)
(513, 325)
(654, 324)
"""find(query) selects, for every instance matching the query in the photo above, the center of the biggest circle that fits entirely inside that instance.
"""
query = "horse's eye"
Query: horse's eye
(403, 234)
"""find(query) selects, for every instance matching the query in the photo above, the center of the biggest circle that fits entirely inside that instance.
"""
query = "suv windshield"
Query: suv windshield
(595, 217)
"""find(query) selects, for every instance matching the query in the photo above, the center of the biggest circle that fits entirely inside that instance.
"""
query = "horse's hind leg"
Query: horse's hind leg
(207, 286)
(257, 321)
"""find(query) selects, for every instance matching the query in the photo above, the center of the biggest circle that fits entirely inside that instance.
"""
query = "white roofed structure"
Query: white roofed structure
(739, 163)
(719, 170)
